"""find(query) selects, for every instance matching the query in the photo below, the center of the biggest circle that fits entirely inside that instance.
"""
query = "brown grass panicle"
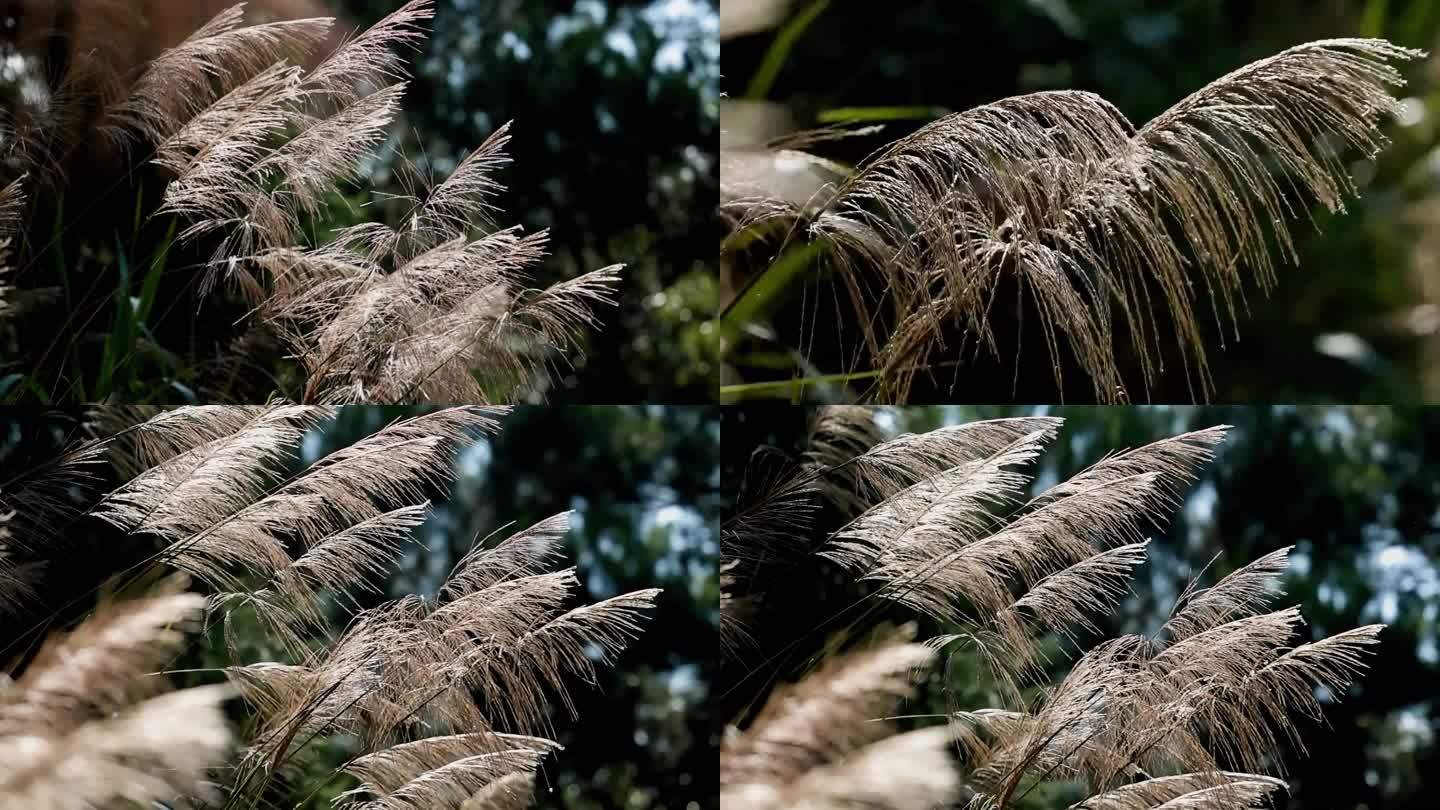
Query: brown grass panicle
(442, 702)
(254, 134)
(1112, 231)
(87, 724)
(943, 525)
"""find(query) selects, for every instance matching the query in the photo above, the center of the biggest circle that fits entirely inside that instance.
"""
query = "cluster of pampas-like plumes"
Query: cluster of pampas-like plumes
(254, 132)
(1110, 231)
(940, 524)
(441, 703)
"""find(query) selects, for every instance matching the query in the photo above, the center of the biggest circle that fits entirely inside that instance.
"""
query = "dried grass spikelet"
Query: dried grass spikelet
(200, 501)
(83, 726)
(451, 320)
(422, 313)
(774, 508)
(139, 437)
(838, 433)
(227, 513)
(222, 55)
(391, 678)
(513, 792)
(941, 547)
(389, 770)
(816, 743)
(1105, 227)
(1241, 593)
(12, 207)
(441, 772)
(38, 506)
(1216, 791)
(737, 611)
(494, 652)
(157, 750)
(371, 58)
(849, 466)
(1228, 695)
(572, 646)
(17, 586)
(352, 559)
(528, 552)
(1190, 717)
(254, 145)
(97, 668)
(84, 90)
(858, 480)
(943, 511)
(771, 519)
(453, 784)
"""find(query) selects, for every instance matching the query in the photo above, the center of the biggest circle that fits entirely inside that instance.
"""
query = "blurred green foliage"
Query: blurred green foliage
(1356, 321)
(1350, 487)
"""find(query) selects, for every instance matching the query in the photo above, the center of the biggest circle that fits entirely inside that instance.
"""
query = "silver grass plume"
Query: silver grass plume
(17, 586)
(1138, 721)
(422, 313)
(409, 668)
(1108, 228)
(441, 699)
(139, 437)
(253, 144)
(85, 726)
(223, 54)
(224, 508)
(1207, 791)
(443, 771)
(849, 466)
(816, 744)
(513, 792)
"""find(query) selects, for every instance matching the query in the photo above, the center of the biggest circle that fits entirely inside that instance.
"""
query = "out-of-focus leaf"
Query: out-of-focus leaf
(741, 17)
(779, 51)
(1060, 13)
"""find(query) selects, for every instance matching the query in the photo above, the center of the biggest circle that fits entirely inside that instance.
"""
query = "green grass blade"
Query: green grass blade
(139, 207)
(779, 51)
(1372, 22)
(62, 269)
(856, 115)
(789, 389)
(14, 387)
(120, 342)
(767, 292)
(151, 284)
